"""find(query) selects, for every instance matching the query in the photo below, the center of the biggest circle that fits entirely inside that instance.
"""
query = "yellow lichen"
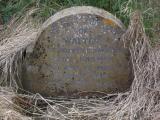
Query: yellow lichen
(109, 22)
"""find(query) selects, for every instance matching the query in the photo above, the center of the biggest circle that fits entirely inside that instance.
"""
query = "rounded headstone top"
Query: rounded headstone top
(78, 49)
(82, 10)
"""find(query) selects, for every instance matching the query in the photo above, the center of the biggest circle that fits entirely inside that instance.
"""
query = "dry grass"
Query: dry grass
(140, 103)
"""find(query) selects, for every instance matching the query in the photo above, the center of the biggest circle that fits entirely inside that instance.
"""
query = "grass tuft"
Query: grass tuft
(121, 8)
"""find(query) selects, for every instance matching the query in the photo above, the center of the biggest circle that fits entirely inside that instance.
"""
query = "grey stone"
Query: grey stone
(78, 50)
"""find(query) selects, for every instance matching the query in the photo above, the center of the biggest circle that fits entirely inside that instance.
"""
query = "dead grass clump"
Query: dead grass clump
(7, 111)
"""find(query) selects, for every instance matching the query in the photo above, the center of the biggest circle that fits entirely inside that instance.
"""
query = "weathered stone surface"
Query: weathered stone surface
(78, 50)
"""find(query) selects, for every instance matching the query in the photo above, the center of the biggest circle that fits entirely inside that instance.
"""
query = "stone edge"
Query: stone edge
(79, 10)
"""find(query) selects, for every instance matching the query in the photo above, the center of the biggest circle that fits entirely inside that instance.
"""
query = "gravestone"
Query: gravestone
(78, 50)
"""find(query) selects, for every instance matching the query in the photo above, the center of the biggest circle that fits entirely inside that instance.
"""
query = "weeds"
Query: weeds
(121, 8)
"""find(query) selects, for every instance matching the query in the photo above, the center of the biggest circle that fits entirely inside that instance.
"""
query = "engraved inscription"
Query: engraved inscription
(80, 52)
